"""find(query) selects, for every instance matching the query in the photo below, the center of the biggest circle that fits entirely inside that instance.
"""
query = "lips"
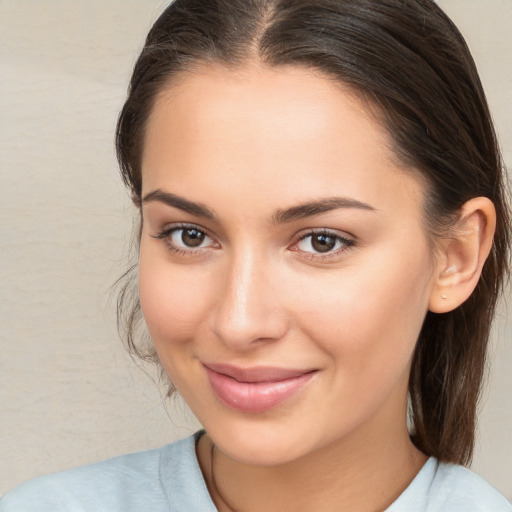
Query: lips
(255, 389)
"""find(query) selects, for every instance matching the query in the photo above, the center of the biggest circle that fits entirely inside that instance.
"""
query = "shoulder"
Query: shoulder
(459, 489)
(440, 487)
(126, 483)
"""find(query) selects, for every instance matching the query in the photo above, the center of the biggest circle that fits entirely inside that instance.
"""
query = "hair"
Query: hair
(408, 61)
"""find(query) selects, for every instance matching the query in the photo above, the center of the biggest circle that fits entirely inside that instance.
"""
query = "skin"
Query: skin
(246, 144)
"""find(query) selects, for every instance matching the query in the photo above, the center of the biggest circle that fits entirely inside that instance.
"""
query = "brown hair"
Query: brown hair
(408, 60)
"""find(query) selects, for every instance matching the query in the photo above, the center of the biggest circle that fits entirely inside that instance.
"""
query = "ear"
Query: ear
(461, 257)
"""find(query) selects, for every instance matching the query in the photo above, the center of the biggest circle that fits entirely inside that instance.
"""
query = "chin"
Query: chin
(259, 443)
(255, 454)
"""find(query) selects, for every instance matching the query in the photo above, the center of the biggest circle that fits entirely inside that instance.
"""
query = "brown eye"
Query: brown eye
(187, 239)
(323, 243)
(192, 237)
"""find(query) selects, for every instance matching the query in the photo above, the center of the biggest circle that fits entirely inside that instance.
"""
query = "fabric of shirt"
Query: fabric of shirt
(169, 480)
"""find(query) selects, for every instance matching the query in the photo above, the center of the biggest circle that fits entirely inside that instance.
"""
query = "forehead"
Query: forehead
(262, 129)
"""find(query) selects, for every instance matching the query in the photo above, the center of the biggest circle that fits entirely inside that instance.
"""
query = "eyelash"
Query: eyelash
(346, 243)
(166, 236)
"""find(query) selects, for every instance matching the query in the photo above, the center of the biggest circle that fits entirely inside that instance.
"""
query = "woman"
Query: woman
(323, 240)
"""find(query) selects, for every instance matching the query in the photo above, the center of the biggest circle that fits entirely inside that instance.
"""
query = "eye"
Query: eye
(186, 239)
(322, 243)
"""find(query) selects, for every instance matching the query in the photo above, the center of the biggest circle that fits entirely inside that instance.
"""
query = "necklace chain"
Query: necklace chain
(214, 482)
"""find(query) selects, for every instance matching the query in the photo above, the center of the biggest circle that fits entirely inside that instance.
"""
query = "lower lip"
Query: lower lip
(255, 396)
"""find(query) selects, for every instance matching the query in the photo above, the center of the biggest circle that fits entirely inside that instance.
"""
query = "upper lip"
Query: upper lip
(256, 373)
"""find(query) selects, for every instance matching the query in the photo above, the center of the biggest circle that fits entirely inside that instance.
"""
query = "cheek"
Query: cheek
(173, 302)
(372, 314)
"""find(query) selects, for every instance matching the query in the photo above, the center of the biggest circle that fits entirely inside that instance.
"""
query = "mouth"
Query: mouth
(255, 389)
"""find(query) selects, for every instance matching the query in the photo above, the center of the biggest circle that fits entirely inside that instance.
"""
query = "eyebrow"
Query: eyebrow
(179, 202)
(318, 207)
(284, 216)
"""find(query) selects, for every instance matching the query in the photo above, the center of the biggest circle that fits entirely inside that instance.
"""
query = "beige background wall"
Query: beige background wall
(68, 393)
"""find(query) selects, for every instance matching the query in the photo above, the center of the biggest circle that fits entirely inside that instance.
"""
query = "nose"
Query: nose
(249, 310)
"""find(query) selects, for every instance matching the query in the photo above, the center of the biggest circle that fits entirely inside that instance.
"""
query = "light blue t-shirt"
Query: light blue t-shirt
(169, 480)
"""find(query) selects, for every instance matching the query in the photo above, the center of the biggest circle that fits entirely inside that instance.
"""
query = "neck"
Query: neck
(365, 474)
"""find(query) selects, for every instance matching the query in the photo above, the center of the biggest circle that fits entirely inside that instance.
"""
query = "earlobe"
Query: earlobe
(462, 255)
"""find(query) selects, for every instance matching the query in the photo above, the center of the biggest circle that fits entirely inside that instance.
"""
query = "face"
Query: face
(284, 269)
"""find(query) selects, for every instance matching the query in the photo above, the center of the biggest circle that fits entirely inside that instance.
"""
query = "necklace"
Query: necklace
(215, 488)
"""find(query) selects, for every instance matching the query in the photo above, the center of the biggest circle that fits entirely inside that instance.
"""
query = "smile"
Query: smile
(255, 389)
